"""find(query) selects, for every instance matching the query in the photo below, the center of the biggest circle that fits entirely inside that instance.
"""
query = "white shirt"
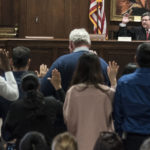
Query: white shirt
(148, 30)
(9, 87)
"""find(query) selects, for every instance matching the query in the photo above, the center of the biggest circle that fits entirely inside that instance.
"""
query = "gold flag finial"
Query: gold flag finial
(98, 1)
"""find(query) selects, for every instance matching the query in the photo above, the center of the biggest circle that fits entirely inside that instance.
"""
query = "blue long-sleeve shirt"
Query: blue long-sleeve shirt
(132, 103)
(66, 65)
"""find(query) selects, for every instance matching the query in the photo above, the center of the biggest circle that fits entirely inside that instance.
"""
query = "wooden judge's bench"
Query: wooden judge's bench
(48, 50)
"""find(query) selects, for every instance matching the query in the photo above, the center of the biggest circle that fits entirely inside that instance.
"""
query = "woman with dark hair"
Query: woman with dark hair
(34, 113)
(88, 104)
(33, 141)
(108, 141)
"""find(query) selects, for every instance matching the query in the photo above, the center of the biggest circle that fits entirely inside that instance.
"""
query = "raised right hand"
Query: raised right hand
(125, 18)
(4, 61)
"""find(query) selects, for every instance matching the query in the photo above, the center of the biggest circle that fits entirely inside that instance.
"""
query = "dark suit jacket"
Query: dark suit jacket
(137, 33)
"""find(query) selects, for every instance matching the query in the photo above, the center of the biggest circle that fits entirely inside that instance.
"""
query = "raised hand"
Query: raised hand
(112, 71)
(125, 18)
(4, 60)
(42, 71)
(55, 79)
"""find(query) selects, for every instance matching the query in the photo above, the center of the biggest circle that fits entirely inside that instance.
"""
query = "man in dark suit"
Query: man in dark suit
(137, 33)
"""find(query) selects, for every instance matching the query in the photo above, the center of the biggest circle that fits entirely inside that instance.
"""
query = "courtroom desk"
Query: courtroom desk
(46, 51)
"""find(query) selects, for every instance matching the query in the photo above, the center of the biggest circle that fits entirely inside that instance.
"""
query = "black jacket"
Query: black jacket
(137, 33)
(23, 118)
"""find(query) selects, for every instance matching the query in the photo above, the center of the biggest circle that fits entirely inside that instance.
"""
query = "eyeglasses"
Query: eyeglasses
(145, 20)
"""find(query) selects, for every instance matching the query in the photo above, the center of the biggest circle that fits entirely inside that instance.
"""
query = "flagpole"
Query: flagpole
(97, 17)
(146, 4)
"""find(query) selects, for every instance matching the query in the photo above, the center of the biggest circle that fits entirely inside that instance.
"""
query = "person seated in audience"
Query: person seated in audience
(108, 141)
(132, 101)
(145, 145)
(33, 141)
(8, 85)
(34, 113)
(64, 141)
(88, 104)
(79, 43)
(137, 33)
(129, 68)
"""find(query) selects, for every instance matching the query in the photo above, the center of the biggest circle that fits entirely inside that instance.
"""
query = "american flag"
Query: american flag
(97, 16)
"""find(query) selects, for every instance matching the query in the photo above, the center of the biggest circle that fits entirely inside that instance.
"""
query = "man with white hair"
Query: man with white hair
(79, 43)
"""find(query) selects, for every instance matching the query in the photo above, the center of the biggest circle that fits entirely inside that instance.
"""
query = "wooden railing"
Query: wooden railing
(47, 51)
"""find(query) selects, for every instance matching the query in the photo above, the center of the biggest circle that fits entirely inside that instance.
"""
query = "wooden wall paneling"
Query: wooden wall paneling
(22, 18)
(9, 12)
(122, 56)
(6, 12)
(121, 52)
(15, 12)
(84, 14)
(36, 17)
(67, 17)
(58, 11)
(44, 56)
(75, 14)
(49, 18)
(0, 12)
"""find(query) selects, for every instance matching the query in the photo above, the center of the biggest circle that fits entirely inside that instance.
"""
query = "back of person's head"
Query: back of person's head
(129, 68)
(20, 56)
(33, 99)
(146, 14)
(145, 145)
(33, 141)
(29, 82)
(143, 55)
(80, 37)
(88, 70)
(64, 141)
(108, 141)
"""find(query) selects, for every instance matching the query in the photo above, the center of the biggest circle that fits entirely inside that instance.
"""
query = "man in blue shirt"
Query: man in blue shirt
(79, 43)
(132, 101)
